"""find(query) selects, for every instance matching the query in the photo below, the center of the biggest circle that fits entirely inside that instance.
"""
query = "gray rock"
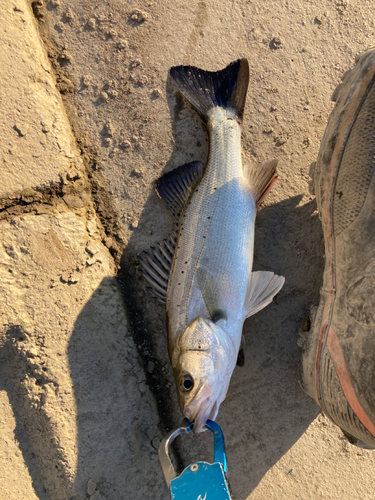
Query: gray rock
(91, 487)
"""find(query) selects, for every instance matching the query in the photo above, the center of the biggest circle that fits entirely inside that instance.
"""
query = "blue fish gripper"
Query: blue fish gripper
(200, 480)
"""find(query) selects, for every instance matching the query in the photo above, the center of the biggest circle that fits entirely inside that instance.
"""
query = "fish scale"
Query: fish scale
(207, 230)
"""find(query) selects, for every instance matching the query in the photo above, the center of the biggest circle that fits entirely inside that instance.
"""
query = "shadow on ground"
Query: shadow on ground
(29, 423)
(119, 423)
(266, 412)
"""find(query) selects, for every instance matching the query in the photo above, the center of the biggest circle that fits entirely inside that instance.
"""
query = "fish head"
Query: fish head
(202, 371)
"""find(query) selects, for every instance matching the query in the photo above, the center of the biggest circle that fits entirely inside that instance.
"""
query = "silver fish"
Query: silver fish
(203, 272)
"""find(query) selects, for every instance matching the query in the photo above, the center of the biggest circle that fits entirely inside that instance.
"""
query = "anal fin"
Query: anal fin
(262, 287)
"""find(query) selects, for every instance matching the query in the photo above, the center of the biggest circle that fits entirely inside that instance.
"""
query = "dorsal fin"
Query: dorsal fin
(261, 178)
(156, 266)
(175, 186)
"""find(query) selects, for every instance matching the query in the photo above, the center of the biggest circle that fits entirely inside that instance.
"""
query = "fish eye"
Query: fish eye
(186, 383)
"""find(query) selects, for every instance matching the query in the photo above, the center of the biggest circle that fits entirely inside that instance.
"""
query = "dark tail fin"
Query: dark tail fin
(207, 89)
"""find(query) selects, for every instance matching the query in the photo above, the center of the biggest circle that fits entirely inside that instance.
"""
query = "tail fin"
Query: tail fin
(207, 89)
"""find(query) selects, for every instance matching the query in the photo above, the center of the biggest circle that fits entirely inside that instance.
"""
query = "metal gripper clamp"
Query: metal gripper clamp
(200, 480)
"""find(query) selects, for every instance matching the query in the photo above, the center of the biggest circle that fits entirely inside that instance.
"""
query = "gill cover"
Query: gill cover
(199, 335)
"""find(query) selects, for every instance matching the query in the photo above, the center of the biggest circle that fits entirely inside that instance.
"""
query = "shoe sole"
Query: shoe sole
(345, 189)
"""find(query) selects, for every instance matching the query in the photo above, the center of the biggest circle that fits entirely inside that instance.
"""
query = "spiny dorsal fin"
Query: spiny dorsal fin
(175, 186)
(261, 178)
(205, 90)
(156, 266)
(261, 289)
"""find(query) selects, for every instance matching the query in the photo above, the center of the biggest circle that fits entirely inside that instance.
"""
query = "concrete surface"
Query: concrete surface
(38, 147)
(88, 426)
(15, 476)
(70, 379)
(67, 359)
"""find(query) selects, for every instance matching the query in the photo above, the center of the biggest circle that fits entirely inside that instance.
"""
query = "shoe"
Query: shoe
(339, 352)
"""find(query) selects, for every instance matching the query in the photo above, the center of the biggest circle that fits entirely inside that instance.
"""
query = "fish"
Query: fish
(203, 271)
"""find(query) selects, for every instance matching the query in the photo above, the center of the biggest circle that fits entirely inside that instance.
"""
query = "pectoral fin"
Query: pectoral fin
(262, 287)
(211, 293)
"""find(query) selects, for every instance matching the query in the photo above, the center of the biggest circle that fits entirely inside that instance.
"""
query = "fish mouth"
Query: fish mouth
(203, 407)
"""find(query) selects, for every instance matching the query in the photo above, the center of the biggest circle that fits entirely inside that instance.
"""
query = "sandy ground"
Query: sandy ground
(104, 339)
